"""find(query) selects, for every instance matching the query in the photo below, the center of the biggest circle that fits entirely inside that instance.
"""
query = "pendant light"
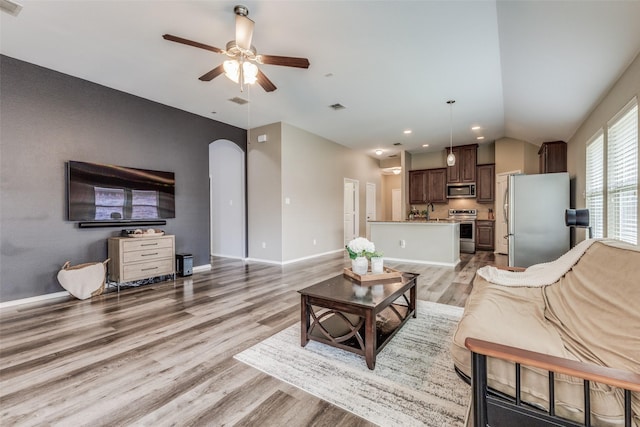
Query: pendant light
(451, 158)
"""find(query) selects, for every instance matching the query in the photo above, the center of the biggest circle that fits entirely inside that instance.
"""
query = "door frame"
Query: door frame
(500, 201)
(370, 202)
(356, 208)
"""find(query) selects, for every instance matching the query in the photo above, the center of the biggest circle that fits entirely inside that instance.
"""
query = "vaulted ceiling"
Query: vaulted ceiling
(530, 70)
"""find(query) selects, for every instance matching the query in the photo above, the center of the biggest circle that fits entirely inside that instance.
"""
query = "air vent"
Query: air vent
(239, 101)
(11, 7)
(393, 155)
(397, 143)
(337, 107)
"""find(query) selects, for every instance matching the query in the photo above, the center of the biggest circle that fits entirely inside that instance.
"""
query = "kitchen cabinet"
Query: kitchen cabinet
(553, 157)
(485, 235)
(437, 184)
(427, 185)
(486, 183)
(418, 186)
(465, 168)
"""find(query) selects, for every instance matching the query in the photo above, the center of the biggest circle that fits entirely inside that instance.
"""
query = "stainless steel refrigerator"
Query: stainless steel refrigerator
(534, 210)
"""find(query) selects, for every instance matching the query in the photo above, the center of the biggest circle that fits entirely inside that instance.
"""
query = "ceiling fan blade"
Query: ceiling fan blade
(266, 84)
(244, 32)
(285, 61)
(212, 74)
(191, 43)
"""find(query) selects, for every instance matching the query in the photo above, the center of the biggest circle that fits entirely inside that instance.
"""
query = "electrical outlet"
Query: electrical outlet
(264, 245)
(402, 243)
(314, 242)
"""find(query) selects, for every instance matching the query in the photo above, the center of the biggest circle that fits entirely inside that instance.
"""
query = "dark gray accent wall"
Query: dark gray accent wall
(48, 118)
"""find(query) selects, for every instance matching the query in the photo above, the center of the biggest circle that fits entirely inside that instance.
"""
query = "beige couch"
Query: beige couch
(591, 314)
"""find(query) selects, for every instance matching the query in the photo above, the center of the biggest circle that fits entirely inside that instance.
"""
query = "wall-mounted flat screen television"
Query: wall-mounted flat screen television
(99, 192)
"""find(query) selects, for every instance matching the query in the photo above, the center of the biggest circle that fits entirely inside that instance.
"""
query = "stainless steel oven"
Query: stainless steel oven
(467, 220)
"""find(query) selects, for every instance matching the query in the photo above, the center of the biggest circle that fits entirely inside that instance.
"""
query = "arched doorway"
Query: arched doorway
(227, 199)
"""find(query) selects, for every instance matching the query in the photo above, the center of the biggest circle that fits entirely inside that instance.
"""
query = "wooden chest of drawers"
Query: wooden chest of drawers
(141, 258)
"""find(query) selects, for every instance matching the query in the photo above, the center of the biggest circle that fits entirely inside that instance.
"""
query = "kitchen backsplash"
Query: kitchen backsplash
(442, 210)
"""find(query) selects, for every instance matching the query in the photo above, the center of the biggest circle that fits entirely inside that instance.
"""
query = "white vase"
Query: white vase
(360, 265)
(377, 265)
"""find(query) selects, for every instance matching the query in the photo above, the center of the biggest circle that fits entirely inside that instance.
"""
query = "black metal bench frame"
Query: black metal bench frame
(495, 409)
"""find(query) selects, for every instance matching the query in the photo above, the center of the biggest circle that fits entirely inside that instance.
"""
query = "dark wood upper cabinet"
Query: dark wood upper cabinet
(428, 185)
(437, 179)
(486, 183)
(553, 157)
(418, 186)
(465, 168)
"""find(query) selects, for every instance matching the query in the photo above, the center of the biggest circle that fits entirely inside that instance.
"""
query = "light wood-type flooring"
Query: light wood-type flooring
(162, 354)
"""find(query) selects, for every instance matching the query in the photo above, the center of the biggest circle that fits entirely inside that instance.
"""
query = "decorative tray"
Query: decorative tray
(145, 233)
(389, 273)
(161, 233)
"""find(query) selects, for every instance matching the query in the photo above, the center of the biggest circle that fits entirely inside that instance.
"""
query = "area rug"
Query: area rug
(413, 383)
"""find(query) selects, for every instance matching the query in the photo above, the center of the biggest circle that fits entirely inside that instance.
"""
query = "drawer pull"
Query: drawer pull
(155, 253)
(149, 244)
(147, 269)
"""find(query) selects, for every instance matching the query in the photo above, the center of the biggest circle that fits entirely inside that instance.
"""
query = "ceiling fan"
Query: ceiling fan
(241, 67)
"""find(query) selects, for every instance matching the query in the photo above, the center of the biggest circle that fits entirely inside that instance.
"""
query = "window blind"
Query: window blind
(622, 175)
(595, 184)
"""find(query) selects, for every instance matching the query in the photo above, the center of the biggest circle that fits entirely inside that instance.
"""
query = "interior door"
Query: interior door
(371, 206)
(396, 204)
(502, 226)
(351, 226)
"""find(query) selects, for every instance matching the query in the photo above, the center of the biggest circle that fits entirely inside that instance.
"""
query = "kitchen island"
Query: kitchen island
(426, 242)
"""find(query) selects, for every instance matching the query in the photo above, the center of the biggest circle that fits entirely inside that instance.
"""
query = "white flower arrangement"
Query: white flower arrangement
(361, 247)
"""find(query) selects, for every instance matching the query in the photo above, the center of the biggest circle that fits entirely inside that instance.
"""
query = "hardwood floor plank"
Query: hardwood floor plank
(162, 353)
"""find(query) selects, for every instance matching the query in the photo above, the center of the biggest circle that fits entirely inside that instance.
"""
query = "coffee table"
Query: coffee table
(360, 318)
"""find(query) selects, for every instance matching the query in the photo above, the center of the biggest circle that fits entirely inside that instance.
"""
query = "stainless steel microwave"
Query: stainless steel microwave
(461, 191)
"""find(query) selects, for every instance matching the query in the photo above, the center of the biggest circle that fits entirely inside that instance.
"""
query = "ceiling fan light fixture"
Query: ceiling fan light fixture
(232, 71)
(250, 71)
(451, 158)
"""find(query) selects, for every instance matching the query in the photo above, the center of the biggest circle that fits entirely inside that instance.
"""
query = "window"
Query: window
(622, 175)
(595, 184)
(611, 187)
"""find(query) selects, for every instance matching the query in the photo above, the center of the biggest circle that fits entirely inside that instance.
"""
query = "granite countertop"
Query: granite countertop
(422, 221)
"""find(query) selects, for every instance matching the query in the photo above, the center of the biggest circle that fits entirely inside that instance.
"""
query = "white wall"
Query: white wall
(627, 86)
(264, 194)
(309, 171)
(227, 187)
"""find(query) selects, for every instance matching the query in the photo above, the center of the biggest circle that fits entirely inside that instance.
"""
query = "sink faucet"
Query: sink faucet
(427, 211)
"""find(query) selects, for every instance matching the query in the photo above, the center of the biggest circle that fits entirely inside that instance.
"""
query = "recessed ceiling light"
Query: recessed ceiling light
(475, 128)
(480, 137)
(425, 145)
(407, 131)
(379, 152)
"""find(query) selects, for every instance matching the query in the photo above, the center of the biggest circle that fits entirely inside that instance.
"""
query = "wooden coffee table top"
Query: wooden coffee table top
(343, 289)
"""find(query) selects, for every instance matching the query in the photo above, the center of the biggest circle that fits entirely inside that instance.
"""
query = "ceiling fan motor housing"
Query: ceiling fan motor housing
(241, 10)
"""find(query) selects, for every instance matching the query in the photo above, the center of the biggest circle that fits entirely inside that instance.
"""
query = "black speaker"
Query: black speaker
(184, 264)
(578, 217)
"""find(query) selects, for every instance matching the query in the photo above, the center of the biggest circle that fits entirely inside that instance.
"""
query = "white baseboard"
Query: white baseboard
(291, 261)
(265, 261)
(7, 304)
(202, 268)
(29, 300)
